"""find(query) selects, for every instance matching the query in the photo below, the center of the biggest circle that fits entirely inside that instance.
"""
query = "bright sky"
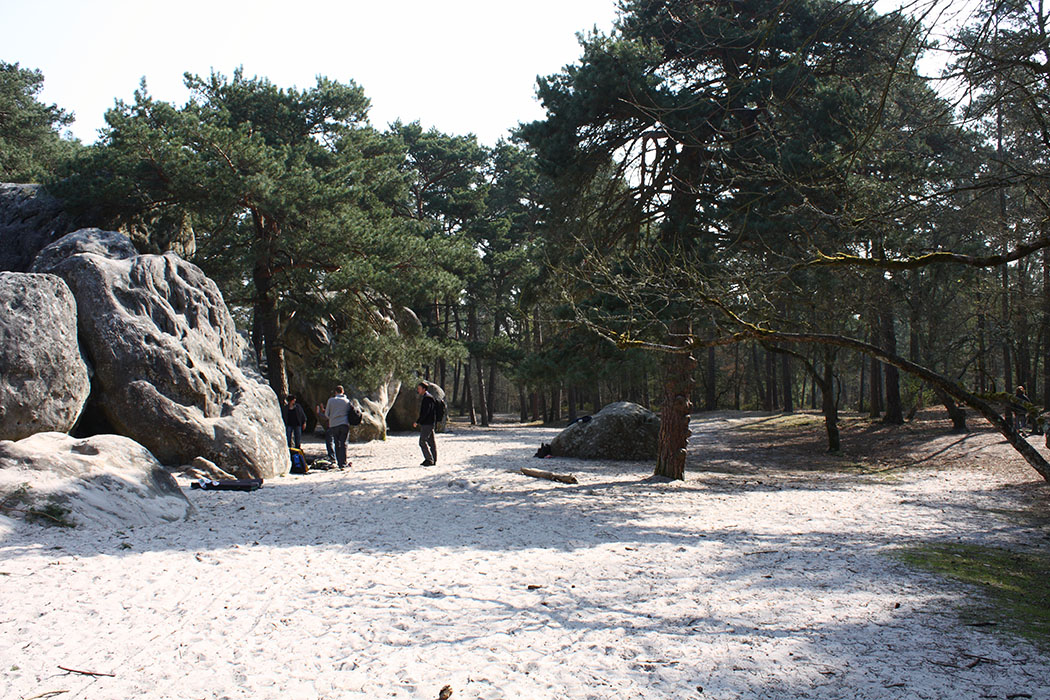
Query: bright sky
(462, 66)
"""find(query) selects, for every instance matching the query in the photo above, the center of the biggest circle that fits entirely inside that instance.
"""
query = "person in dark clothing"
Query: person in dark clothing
(426, 421)
(1022, 414)
(294, 422)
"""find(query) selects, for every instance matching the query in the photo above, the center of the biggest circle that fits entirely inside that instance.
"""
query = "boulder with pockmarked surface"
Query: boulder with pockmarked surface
(170, 368)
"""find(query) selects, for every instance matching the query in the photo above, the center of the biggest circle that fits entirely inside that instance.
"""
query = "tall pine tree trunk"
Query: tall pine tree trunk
(674, 415)
(265, 307)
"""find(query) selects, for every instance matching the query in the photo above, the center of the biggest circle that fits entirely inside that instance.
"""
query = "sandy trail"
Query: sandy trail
(392, 580)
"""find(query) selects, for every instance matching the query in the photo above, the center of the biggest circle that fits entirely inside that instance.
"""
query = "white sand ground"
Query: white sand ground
(393, 580)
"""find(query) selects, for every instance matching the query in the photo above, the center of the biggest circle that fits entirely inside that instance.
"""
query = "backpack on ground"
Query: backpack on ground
(299, 465)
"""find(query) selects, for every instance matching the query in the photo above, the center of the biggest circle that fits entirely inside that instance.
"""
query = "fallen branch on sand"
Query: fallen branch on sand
(87, 673)
(540, 474)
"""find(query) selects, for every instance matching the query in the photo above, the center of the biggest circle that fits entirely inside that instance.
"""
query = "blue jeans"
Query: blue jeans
(295, 435)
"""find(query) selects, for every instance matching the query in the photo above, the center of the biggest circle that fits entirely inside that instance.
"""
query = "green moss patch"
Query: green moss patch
(1014, 586)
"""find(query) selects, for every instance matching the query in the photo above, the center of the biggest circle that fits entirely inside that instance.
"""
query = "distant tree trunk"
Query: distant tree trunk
(863, 368)
(771, 383)
(785, 371)
(824, 382)
(572, 403)
(1046, 327)
(596, 398)
(913, 334)
(266, 312)
(1023, 343)
(736, 376)
(710, 395)
(497, 325)
(538, 410)
(894, 410)
(468, 395)
(523, 404)
(828, 405)
(475, 337)
(257, 337)
(982, 356)
(645, 389)
(875, 388)
(1008, 380)
(758, 375)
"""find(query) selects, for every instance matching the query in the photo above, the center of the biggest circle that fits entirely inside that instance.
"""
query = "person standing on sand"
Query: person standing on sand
(338, 413)
(294, 422)
(426, 422)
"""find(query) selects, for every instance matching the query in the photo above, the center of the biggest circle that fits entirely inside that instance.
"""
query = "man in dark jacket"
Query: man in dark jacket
(294, 422)
(426, 421)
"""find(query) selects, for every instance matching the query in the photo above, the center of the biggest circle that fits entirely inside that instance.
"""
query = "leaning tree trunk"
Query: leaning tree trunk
(1001, 423)
(674, 415)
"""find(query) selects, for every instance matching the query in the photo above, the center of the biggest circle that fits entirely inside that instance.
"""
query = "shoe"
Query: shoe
(426, 464)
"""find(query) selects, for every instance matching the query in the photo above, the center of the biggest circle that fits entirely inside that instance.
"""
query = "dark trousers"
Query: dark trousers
(427, 443)
(335, 440)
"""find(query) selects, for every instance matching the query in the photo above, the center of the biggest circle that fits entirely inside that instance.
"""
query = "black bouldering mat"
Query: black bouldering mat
(227, 484)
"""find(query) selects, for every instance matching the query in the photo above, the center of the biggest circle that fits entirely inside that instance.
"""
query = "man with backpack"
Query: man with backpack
(431, 412)
(341, 415)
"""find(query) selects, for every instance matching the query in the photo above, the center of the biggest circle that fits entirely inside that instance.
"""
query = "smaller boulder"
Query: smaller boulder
(105, 480)
(201, 468)
(621, 430)
(108, 244)
(44, 381)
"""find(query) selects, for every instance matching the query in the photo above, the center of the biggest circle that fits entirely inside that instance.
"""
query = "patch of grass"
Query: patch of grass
(783, 421)
(21, 501)
(1014, 586)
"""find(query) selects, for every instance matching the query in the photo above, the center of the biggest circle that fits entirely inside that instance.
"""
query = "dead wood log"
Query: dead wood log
(540, 474)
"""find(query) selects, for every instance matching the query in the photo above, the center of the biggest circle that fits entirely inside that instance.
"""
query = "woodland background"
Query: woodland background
(745, 205)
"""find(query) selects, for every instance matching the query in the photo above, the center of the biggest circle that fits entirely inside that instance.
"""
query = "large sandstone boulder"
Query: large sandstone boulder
(43, 378)
(105, 480)
(30, 219)
(621, 430)
(170, 368)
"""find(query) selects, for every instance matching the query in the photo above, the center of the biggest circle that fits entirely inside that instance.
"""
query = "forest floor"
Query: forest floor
(912, 564)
